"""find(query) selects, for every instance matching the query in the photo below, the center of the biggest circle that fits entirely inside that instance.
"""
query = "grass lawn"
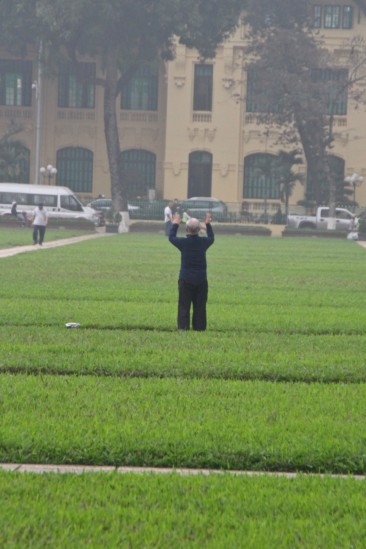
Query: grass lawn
(276, 383)
(112, 510)
(10, 238)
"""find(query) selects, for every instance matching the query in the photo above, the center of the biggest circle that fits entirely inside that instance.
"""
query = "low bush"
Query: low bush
(219, 228)
(324, 233)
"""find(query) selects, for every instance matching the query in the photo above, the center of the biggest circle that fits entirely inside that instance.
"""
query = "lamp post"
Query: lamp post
(37, 86)
(49, 172)
(356, 181)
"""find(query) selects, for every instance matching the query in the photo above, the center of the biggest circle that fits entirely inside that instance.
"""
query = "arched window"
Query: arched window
(200, 174)
(260, 178)
(14, 162)
(138, 172)
(75, 169)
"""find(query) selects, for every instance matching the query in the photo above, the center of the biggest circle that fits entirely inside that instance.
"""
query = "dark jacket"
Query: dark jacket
(193, 267)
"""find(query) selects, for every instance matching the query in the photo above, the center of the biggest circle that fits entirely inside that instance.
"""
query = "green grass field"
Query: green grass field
(276, 383)
(10, 238)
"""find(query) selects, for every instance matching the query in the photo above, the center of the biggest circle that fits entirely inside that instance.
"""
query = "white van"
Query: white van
(60, 202)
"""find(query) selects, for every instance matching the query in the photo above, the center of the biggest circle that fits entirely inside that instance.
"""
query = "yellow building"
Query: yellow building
(186, 127)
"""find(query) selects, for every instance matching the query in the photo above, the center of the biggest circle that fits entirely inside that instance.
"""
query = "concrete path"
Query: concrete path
(79, 469)
(7, 252)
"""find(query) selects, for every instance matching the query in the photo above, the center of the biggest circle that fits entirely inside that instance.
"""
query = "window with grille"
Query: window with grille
(333, 17)
(76, 86)
(261, 96)
(15, 83)
(140, 93)
(333, 89)
(138, 172)
(347, 17)
(75, 169)
(203, 84)
(200, 174)
(260, 177)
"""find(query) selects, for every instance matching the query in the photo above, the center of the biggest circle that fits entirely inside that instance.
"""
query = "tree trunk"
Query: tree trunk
(119, 197)
(332, 195)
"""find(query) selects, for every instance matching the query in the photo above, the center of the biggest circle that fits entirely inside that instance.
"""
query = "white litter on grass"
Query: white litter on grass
(72, 325)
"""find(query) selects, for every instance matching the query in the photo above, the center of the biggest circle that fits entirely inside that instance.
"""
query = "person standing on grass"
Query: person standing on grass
(168, 216)
(40, 220)
(192, 283)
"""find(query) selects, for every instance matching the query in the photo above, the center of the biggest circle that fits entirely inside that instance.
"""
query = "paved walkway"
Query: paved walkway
(79, 469)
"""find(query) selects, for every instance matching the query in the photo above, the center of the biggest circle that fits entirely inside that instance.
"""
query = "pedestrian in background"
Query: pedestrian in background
(40, 220)
(168, 217)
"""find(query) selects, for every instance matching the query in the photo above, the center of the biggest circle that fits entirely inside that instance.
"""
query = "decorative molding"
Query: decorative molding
(192, 133)
(138, 116)
(228, 83)
(210, 133)
(176, 168)
(202, 117)
(179, 81)
(201, 134)
(77, 115)
(224, 169)
(13, 113)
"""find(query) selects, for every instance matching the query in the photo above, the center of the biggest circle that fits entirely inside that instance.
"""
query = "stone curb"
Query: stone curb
(81, 469)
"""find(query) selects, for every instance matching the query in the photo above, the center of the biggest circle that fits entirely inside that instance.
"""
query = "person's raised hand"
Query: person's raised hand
(176, 218)
(208, 218)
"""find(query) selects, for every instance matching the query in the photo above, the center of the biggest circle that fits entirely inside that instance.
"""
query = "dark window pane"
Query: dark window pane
(347, 19)
(15, 83)
(141, 91)
(75, 169)
(317, 17)
(333, 89)
(260, 179)
(261, 96)
(202, 94)
(139, 168)
(332, 17)
(76, 86)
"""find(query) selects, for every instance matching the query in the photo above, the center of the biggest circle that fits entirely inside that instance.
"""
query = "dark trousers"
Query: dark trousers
(41, 229)
(195, 294)
(168, 226)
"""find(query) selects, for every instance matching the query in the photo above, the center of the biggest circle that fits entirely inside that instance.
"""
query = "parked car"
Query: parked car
(198, 206)
(320, 219)
(105, 204)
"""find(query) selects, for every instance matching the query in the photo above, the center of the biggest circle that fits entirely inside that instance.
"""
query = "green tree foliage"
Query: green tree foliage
(123, 33)
(288, 177)
(303, 93)
(13, 161)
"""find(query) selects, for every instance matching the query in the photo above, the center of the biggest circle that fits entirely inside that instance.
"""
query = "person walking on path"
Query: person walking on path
(168, 217)
(192, 283)
(40, 220)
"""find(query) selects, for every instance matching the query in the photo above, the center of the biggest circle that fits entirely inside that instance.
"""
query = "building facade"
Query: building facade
(187, 128)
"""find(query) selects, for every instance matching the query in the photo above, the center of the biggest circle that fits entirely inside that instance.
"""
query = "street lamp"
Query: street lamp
(48, 172)
(356, 181)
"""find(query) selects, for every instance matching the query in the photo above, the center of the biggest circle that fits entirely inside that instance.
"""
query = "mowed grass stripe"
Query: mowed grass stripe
(111, 510)
(183, 423)
(224, 355)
